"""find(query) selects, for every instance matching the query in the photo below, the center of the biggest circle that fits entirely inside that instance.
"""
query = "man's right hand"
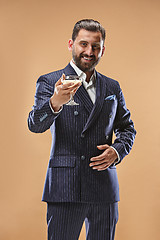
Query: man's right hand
(62, 93)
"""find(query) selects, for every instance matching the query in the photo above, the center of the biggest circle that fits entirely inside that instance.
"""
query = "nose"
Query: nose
(89, 50)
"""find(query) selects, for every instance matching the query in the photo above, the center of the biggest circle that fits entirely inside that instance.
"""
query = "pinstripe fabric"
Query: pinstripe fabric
(101, 221)
(76, 132)
(65, 220)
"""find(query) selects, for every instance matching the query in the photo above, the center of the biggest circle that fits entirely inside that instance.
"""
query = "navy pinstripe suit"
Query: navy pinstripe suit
(76, 132)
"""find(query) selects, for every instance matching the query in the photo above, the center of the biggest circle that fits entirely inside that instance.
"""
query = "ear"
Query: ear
(70, 44)
(103, 50)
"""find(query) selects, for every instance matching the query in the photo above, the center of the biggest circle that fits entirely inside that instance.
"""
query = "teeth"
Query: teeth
(87, 58)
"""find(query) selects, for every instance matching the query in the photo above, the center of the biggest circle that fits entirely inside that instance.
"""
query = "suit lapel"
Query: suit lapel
(84, 98)
(100, 96)
(68, 70)
(82, 95)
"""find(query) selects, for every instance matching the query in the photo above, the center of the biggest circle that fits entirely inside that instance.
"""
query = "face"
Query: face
(87, 49)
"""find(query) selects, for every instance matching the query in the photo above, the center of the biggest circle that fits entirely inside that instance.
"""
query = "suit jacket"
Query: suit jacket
(76, 132)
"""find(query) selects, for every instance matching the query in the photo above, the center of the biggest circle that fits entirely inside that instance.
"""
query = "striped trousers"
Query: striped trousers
(65, 220)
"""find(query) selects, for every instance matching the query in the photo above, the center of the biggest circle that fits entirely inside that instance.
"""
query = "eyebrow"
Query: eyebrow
(97, 43)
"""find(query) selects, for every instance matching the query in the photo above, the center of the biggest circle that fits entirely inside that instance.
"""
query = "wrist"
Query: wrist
(56, 107)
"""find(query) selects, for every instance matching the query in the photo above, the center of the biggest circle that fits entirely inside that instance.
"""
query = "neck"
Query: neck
(88, 74)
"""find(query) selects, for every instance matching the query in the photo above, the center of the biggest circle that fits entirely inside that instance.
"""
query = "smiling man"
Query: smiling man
(81, 182)
(87, 50)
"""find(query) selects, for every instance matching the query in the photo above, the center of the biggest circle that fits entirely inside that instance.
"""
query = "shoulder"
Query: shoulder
(110, 82)
(52, 76)
(47, 81)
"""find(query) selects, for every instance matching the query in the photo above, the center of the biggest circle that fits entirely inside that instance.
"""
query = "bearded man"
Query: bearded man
(81, 182)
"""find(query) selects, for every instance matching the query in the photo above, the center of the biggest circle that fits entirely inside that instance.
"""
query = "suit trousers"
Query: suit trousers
(65, 220)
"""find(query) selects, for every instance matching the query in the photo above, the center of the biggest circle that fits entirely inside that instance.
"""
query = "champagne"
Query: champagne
(65, 81)
(71, 79)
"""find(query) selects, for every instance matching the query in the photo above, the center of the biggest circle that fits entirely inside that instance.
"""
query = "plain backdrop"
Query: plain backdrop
(34, 36)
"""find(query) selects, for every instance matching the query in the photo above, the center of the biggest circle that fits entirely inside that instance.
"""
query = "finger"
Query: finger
(96, 163)
(75, 90)
(63, 77)
(70, 87)
(99, 157)
(76, 85)
(59, 82)
(101, 167)
(67, 85)
(102, 147)
(71, 84)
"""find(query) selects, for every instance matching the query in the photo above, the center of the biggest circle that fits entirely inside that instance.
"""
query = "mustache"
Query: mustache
(87, 56)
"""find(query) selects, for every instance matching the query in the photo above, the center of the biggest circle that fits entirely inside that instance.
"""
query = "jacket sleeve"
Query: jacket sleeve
(123, 128)
(41, 117)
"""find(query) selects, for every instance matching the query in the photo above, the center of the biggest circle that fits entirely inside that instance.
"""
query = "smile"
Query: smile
(88, 58)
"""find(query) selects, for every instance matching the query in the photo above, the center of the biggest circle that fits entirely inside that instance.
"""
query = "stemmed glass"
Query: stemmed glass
(71, 79)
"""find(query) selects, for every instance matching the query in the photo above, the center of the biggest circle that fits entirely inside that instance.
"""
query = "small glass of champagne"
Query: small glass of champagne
(71, 79)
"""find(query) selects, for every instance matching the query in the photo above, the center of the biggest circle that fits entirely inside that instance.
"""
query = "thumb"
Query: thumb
(59, 82)
(63, 77)
(102, 147)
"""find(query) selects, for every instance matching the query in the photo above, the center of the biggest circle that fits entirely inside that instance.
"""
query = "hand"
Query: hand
(104, 160)
(62, 93)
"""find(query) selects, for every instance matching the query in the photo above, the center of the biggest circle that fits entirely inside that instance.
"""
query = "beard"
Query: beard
(85, 66)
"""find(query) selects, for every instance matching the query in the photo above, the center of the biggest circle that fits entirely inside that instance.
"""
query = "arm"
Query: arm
(48, 101)
(125, 135)
(123, 128)
(41, 117)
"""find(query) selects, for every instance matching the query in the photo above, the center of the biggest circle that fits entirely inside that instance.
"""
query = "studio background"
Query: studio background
(34, 36)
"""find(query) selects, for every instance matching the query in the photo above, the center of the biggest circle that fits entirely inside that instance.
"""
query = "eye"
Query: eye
(95, 46)
(83, 44)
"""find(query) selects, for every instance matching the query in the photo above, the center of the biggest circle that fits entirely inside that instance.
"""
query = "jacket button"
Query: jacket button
(75, 113)
(83, 157)
(82, 135)
(107, 137)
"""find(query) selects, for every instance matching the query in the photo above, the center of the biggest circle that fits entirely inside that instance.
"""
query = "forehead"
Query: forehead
(89, 36)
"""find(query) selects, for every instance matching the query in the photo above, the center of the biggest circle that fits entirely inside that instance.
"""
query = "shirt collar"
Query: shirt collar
(83, 75)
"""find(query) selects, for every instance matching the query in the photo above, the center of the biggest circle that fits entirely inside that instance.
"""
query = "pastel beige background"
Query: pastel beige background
(33, 41)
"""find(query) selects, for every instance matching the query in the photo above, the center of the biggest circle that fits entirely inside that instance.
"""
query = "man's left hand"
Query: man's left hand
(104, 160)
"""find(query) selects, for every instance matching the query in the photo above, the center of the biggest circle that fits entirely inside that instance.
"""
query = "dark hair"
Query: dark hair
(89, 25)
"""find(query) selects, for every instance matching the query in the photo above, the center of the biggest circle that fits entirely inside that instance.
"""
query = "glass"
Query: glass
(71, 79)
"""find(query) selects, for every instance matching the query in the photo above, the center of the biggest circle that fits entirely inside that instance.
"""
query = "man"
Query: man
(81, 182)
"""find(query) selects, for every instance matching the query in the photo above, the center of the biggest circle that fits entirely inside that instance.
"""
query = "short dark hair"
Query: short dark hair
(89, 25)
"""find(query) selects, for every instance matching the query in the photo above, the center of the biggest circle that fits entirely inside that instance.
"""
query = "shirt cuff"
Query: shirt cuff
(53, 109)
(118, 157)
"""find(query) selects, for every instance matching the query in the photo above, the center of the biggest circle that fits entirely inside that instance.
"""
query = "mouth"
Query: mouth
(88, 59)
